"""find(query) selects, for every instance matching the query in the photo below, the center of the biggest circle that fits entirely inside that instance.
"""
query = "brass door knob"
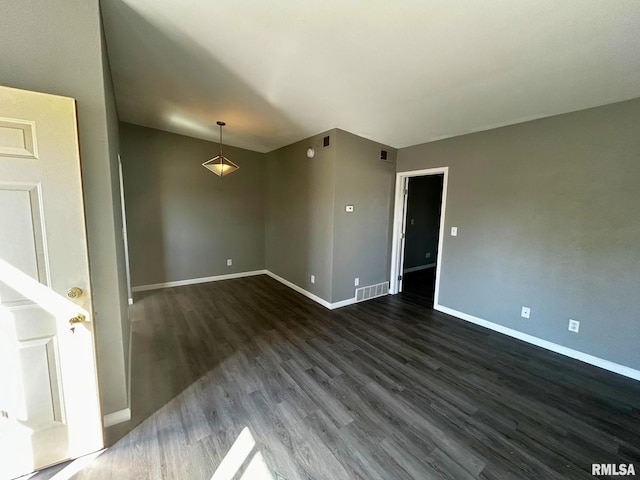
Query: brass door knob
(80, 318)
(74, 292)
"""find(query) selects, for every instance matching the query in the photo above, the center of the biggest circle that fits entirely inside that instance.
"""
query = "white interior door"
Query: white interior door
(48, 390)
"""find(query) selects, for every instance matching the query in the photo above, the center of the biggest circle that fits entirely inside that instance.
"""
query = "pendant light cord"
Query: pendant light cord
(221, 156)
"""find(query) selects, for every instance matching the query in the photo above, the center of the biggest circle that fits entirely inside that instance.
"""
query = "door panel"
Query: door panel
(17, 138)
(21, 245)
(48, 390)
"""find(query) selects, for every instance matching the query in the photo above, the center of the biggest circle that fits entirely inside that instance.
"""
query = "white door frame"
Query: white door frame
(399, 223)
(125, 233)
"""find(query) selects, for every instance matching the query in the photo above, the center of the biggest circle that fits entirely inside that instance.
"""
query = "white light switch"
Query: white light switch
(356, 282)
(313, 279)
(454, 231)
(348, 209)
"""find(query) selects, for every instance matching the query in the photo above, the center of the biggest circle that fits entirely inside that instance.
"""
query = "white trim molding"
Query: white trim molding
(193, 281)
(315, 298)
(419, 267)
(342, 303)
(115, 418)
(129, 366)
(554, 347)
(293, 286)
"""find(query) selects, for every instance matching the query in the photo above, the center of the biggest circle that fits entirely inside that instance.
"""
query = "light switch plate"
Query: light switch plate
(356, 282)
(574, 326)
(348, 209)
(454, 231)
(313, 279)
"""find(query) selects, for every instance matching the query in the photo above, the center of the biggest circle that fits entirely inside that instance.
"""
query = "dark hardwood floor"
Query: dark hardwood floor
(421, 283)
(386, 389)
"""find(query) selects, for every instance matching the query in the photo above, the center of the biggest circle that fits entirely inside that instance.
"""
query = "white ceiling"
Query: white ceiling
(398, 72)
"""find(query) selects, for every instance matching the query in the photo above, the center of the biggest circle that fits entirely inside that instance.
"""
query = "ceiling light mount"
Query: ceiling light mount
(220, 165)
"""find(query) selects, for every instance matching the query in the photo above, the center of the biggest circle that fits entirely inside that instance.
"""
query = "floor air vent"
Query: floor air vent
(372, 291)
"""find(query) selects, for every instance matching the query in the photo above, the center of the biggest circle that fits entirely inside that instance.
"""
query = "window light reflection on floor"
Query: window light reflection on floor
(237, 456)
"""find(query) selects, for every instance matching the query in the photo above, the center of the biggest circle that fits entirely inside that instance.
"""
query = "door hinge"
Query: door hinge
(402, 235)
(4, 414)
(406, 191)
(399, 277)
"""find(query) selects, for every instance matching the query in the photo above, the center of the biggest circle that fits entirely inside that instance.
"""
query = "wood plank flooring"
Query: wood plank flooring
(421, 283)
(386, 389)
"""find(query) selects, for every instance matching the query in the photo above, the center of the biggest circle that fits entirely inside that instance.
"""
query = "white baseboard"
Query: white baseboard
(342, 303)
(129, 366)
(554, 347)
(315, 298)
(114, 418)
(419, 267)
(293, 286)
(193, 281)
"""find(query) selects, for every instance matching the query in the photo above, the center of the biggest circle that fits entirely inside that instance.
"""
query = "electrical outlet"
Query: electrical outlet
(356, 282)
(229, 262)
(574, 326)
(427, 255)
(313, 279)
(348, 209)
(525, 312)
(413, 221)
(454, 231)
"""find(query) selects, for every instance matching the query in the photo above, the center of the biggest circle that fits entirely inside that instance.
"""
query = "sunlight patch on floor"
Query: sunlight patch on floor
(78, 464)
(257, 469)
(237, 456)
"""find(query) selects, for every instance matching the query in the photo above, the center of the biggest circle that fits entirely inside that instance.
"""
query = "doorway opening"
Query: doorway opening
(418, 233)
(422, 230)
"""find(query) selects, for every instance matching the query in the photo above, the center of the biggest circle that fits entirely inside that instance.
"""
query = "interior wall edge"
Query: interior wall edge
(315, 298)
(547, 345)
(293, 286)
(115, 418)
(194, 281)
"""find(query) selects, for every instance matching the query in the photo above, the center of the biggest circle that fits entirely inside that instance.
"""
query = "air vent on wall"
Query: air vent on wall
(372, 291)
(386, 156)
(325, 141)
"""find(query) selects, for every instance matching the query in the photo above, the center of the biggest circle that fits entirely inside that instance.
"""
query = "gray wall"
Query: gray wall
(423, 220)
(547, 217)
(361, 240)
(185, 222)
(299, 220)
(56, 47)
(108, 354)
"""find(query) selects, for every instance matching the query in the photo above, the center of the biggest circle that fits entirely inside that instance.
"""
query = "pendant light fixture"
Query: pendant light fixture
(220, 165)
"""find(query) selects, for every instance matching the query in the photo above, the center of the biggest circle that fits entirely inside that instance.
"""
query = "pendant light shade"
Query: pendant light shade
(220, 165)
